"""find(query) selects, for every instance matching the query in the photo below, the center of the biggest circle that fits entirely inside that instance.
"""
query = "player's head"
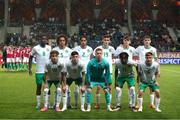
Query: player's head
(62, 40)
(106, 40)
(98, 53)
(54, 56)
(43, 40)
(123, 57)
(126, 40)
(83, 40)
(147, 40)
(149, 57)
(74, 57)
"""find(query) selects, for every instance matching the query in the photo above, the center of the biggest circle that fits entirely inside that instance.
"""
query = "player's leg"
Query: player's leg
(69, 82)
(39, 80)
(76, 94)
(82, 98)
(120, 83)
(45, 108)
(76, 91)
(157, 99)
(151, 99)
(97, 106)
(142, 87)
(58, 95)
(64, 98)
(89, 98)
(132, 93)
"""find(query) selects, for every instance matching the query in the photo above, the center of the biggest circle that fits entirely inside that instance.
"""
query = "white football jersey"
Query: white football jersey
(74, 71)
(54, 70)
(147, 73)
(42, 57)
(84, 53)
(130, 51)
(64, 54)
(141, 51)
(107, 54)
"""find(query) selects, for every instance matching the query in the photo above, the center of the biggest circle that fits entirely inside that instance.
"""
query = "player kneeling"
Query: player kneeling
(54, 75)
(148, 75)
(124, 73)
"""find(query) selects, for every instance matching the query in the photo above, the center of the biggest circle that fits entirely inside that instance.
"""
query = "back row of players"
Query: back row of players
(16, 57)
(88, 68)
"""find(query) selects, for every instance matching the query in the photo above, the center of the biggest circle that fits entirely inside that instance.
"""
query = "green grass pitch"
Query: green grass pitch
(17, 99)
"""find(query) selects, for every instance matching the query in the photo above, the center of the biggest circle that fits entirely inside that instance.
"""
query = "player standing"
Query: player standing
(41, 52)
(149, 73)
(64, 55)
(141, 51)
(108, 54)
(85, 51)
(125, 47)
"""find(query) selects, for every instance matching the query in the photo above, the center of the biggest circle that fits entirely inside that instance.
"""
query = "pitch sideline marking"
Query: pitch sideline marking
(170, 70)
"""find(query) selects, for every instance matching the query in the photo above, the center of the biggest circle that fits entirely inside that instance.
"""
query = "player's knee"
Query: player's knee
(106, 90)
(157, 92)
(118, 89)
(140, 94)
(150, 91)
(89, 90)
(132, 89)
(98, 88)
(58, 90)
(46, 90)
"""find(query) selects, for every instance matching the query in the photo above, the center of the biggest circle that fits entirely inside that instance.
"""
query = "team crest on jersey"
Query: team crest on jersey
(66, 51)
(110, 50)
(88, 50)
(47, 49)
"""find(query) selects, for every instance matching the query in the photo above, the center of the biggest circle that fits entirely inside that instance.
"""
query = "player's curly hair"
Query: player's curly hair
(123, 54)
(64, 36)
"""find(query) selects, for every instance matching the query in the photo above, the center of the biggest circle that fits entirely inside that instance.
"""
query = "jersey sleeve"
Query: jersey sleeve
(88, 73)
(116, 53)
(107, 74)
(65, 67)
(155, 55)
(157, 69)
(33, 52)
(83, 67)
(136, 53)
(45, 68)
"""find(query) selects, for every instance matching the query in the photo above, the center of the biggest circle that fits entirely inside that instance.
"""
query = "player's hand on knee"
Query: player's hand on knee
(157, 83)
(83, 88)
(46, 85)
(64, 88)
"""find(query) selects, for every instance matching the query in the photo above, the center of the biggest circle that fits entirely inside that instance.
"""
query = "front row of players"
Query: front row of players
(98, 74)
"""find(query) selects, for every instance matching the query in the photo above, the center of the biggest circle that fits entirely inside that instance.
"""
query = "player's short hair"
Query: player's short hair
(123, 54)
(105, 36)
(64, 36)
(44, 37)
(54, 52)
(98, 49)
(126, 37)
(83, 36)
(74, 53)
(149, 54)
(146, 37)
